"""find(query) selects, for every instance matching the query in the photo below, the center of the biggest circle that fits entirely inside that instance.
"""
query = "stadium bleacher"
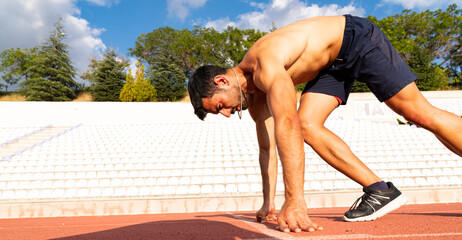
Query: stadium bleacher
(111, 151)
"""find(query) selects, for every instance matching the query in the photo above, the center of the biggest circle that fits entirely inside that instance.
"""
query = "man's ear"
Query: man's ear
(221, 80)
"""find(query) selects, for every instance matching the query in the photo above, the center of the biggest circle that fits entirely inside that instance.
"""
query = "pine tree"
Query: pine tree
(168, 78)
(273, 27)
(138, 89)
(51, 71)
(128, 90)
(107, 76)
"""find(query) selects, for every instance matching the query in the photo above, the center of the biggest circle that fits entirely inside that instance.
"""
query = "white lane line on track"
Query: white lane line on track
(370, 236)
(364, 236)
(275, 234)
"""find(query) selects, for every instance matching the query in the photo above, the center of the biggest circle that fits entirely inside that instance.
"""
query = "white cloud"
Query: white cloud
(258, 5)
(221, 24)
(132, 61)
(181, 8)
(83, 41)
(28, 23)
(422, 4)
(104, 3)
(283, 12)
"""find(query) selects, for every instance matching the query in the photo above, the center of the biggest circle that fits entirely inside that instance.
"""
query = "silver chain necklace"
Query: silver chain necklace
(240, 94)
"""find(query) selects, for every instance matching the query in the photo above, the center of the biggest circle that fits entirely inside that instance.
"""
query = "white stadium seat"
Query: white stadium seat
(184, 156)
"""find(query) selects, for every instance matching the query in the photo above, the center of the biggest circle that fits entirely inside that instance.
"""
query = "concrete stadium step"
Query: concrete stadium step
(27, 142)
(129, 205)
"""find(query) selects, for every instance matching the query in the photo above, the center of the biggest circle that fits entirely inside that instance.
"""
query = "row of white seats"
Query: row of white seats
(311, 165)
(224, 142)
(48, 179)
(249, 137)
(141, 149)
(215, 167)
(186, 156)
(384, 161)
(196, 189)
(147, 181)
(245, 154)
(99, 192)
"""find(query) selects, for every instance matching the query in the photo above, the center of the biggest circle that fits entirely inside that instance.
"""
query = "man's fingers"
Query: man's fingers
(283, 226)
(315, 226)
(260, 216)
(304, 226)
(273, 217)
(263, 219)
(293, 225)
(265, 216)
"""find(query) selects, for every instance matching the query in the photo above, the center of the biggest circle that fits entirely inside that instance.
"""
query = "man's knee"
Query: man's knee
(309, 130)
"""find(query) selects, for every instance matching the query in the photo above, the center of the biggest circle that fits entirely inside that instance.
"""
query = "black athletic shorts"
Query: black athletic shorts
(367, 56)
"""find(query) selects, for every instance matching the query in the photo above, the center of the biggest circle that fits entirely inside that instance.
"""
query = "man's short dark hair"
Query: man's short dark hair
(201, 85)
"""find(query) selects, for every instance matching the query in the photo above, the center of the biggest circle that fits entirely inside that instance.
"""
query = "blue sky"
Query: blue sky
(123, 22)
(95, 25)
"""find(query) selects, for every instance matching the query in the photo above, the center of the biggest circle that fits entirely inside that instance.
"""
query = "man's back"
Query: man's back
(304, 47)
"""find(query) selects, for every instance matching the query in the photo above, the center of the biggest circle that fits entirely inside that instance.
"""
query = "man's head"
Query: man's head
(214, 89)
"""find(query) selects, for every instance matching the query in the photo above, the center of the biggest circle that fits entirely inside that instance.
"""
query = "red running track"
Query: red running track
(431, 221)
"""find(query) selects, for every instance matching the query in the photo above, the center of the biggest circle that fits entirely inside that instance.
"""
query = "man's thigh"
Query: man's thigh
(316, 107)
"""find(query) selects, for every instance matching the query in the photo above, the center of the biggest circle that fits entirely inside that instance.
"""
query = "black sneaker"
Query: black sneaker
(375, 204)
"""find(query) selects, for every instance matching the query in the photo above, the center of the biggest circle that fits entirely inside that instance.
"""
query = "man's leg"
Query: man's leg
(377, 200)
(412, 105)
(313, 112)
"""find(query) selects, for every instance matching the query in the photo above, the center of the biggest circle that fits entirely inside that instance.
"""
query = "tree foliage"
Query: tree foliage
(51, 71)
(165, 51)
(107, 76)
(172, 55)
(430, 43)
(168, 79)
(14, 63)
(138, 88)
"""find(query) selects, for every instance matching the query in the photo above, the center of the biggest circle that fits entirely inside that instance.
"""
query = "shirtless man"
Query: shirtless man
(327, 53)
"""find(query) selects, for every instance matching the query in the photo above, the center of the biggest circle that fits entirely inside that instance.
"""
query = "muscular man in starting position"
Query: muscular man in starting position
(328, 54)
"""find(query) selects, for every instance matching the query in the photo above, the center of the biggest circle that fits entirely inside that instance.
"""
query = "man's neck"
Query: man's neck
(246, 81)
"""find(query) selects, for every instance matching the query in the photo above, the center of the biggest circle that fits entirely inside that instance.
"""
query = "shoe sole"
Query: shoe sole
(393, 205)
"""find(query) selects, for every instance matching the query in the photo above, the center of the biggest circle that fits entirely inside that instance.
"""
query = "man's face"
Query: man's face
(226, 101)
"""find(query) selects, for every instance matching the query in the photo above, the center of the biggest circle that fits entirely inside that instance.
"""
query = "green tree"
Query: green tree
(14, 64)
(273, 27)
(51, 71)
(127, 94)
(188, 49)
(138, 89)
(168, 78)
(429, 42)
(238, 42)
(107, 76)
(166, 52)
(172, 55)
(360, 87)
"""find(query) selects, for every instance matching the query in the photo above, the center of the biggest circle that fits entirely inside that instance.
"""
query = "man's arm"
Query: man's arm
(272, 78)
(260, 113)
